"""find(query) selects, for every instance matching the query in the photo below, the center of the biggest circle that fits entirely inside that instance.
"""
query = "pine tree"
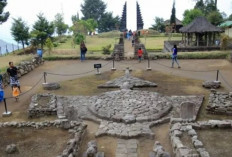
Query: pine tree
(173, 16)
(3, 15)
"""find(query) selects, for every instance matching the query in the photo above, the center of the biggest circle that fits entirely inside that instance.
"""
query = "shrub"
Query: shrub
(106, 49)
(224, 42)
(55, 44)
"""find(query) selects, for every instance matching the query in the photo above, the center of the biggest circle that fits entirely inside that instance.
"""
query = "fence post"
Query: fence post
(45, 80)
(148, 64)
(113, 68)
(217, 75)
(6, 113)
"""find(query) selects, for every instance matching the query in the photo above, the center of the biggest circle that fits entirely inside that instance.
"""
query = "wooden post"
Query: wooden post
(214, 38)
(185, 39)
(197, 39)
(207, 39)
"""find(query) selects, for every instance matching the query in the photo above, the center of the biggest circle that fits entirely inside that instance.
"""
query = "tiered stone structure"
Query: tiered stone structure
(139, 17)
(118, 52)
(123, 25)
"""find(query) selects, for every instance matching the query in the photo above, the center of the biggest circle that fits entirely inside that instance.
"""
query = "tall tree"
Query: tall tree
(190, 15)
(59, 24)
(20, 31)
(159, 24)
(108, 22)
(42, 29)
(215, 17)
(200, 5)
(93, 9)
(173, 15)
(3, 15)
(75, 18)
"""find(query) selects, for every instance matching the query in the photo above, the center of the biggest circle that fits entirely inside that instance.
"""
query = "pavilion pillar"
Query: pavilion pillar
(182, 37)
(197, 35)
(185, 39)
(214, 37)
(207, 39)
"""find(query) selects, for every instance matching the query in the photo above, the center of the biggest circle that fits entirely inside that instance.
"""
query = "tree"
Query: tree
(75, 18)
(215, 18)
(3, 15)
(84, 26)
(173, 16)
(42, 29)
(159, 24)
(200, 5)
(206, 6)
(93, 9)
(20, 31)
(230, 17)
(190, 15)
(59, 24)
(49, 45)
(108, 22)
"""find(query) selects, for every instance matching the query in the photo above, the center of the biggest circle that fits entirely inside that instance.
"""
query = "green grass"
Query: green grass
(156, 43)
(193, 55)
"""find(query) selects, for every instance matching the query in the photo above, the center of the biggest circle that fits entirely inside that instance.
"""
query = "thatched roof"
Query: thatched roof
(200, 25)
(178, 22)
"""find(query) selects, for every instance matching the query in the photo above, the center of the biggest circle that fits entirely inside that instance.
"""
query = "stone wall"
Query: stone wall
(118, 53)
(168, 45)
(24, 68)
(76, 129)
(231, 57)
(42, 105)
(220, 103)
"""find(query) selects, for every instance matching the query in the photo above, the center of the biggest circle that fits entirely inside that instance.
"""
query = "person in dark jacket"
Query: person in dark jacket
(83, 50)
(13, 73)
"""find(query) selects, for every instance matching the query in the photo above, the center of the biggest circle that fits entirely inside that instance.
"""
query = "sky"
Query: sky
(29, 9)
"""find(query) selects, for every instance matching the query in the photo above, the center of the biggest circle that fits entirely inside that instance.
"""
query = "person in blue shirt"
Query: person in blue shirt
(1, 89)
(174, 56)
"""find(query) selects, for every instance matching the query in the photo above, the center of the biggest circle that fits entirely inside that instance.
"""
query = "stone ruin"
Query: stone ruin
(126, 114)
(92, 150)
(211, 84)
(220, 103)
(118, 52)
(75, 129)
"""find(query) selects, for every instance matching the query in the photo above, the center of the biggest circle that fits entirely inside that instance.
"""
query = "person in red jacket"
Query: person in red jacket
(140, 54)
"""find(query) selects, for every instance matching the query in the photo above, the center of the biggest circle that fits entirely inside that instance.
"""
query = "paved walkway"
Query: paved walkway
(129, 50)
(74, 66)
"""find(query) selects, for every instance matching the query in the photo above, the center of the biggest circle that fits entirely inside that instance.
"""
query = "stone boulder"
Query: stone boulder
(51, 86)
(212, 84)
(11, 149)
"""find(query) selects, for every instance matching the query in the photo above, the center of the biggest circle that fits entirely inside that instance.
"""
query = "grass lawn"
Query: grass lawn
(156, 43)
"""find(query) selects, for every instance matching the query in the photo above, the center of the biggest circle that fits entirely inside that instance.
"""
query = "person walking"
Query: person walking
(13, 73)
(83, 50)
(174, 56)
(140, 54)
(1, 89)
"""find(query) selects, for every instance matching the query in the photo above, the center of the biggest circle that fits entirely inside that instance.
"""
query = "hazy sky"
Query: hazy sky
(28, 9)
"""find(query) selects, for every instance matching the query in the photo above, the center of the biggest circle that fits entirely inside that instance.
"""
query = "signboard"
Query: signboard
(97, 66)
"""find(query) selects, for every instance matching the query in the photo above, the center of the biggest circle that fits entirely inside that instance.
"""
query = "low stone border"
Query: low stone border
(211, 84)
(45, 109)
(220, 103)
(24, 68)
(177, 130)
(77, 129)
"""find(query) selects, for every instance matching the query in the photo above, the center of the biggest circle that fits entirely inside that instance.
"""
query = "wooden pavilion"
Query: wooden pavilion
(200, 33)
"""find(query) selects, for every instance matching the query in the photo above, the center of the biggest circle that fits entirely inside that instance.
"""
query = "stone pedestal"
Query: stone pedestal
(7, 114)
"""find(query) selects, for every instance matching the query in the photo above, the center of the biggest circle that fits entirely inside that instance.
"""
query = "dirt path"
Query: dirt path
(76, 67)
(129, 50)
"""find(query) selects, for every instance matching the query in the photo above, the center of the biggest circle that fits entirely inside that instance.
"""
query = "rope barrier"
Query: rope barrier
(78, 73)
(223, 78)
(185, 69)
(28, 90)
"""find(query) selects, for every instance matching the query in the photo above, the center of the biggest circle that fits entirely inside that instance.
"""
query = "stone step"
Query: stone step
(127, 148)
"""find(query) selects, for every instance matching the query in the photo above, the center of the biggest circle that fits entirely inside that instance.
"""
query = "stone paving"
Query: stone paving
(133, 82)
(127, 148)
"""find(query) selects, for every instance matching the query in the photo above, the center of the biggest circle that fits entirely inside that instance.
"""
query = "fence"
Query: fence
(218, 75)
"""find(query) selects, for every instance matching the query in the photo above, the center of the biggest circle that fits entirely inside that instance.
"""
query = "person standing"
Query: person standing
(83, 50)
(13, 73)
(174, 56)
(140, 54)
(1, 89)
